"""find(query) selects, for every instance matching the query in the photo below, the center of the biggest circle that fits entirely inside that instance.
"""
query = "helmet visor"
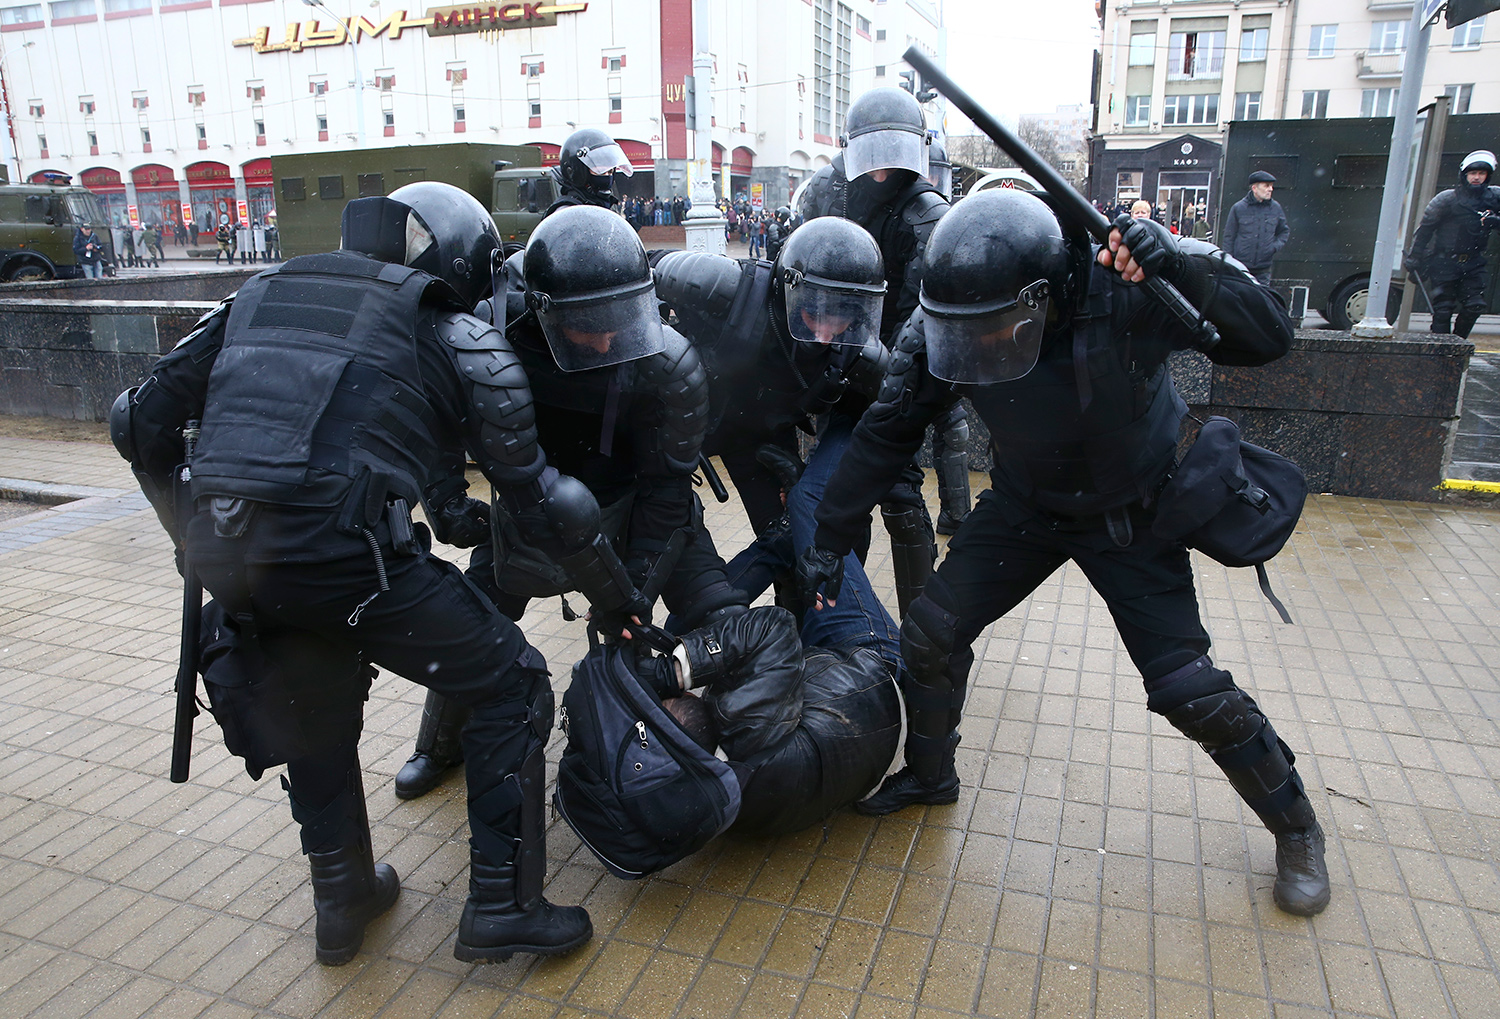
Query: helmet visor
(825, 315)
(603, 160)
(998, 345)
(597, 333)
(892, 149)
(940, 176)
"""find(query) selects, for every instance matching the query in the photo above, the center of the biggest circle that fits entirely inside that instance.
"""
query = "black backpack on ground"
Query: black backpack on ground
(633, 785)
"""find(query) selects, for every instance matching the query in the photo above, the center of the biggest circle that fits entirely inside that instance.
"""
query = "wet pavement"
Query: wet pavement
(1096, 864)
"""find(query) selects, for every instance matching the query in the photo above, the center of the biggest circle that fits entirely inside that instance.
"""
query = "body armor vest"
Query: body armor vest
(317, 385)
(1080, 460)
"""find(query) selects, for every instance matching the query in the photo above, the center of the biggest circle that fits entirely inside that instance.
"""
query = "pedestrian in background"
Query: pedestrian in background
(1447, 251)
(1256, 229)
(90, 252)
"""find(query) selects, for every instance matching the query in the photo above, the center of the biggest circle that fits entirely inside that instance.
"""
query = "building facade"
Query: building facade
(1172, 73)
(175, 107)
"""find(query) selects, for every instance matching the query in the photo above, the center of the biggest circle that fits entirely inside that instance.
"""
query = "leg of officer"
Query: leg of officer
(1444, 294)
(431, 625)
(950, 458)
(913, 542)
(1471, 303)
(1148, 586)
(991, 566)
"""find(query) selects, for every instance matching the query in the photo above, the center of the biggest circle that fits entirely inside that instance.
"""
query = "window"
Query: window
(1202, 109)
(385, 79)
(323, 125)
(1388, 37)
(255, 91)
(1128, 184)
(31, 14)
(195, 95)
(862, 26)
(371, 185)
(293, 189)
(1195, 55)
(615, 63)
(41, 143)
(122, 6)
(140, 100)
(532, 68)
(72, 9)
(880, 35)
(457, 73)
(1247, 106)
(880, 70)
(1137, 110)
(1377, 102)
(536, 108)
(35, 108)
(317, 84)
(202, 133)
(1315, 105)
(86, 105)
(260, 128)
(1460, 94)
(93, 140)
(1143, 49)
(615, 105)
(833, 25)
(146, 138)
(330, 187)
(1469, 35)
(459, 115)
(1253, 43)
(1322, 40)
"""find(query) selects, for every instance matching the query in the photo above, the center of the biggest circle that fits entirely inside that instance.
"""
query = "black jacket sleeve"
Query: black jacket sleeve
(886, 438)
(1254, 326)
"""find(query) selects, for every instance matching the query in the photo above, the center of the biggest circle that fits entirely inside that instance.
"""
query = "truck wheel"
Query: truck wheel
(1347, 305)
(28, 273)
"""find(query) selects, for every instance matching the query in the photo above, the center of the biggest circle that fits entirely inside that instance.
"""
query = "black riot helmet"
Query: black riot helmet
(588, 281)
(588, 161)
(939, 170)
(438, 228)
(884, 130)
(831, 278)
(994, 265)
(1480, 159)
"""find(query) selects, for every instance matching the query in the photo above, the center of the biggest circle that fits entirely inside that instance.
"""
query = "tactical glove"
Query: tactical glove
(819, 568)
(1411, 264)
(461, 522)
(1153, 247)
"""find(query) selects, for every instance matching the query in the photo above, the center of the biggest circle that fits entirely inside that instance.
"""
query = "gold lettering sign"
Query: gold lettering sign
(301, 35)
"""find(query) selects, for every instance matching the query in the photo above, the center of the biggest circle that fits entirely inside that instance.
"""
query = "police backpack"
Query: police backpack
(633, 785)
(1234, 501)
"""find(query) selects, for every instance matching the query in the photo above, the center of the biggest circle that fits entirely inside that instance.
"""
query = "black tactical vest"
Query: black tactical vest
(1079, 460)
(317, 385)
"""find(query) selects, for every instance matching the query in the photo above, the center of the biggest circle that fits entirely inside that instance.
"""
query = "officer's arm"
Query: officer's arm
(146, 423)
(920, 215)
(667, 441)
(886, 438)
(868, 368)
(555, 513)
(1431, 216)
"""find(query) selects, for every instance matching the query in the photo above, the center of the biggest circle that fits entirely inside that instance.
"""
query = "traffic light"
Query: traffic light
(909, 81)
(1462, 11)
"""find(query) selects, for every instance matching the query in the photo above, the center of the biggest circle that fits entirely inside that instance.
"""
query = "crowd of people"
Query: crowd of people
(590, 379)
(142, 246)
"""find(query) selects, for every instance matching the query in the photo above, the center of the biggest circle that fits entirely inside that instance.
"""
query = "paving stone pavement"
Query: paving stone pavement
(1096, 864)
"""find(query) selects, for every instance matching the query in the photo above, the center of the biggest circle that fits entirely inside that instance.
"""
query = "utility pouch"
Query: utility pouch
(404, 541)
(231, 516)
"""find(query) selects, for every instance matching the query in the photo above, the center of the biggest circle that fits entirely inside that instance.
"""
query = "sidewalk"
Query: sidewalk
(1096, 864)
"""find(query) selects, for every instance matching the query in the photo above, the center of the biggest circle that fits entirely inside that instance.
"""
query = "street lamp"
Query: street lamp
(359, 81)
(12, 154)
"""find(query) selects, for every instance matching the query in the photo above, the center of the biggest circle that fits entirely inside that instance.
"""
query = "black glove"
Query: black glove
(1489, 218)
(1153, 247)
(1411, 263)
(783, 463)
(819, 568)
(461, 522)
(610, 622)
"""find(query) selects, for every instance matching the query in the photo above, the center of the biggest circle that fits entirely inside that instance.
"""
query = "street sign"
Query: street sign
(1463, 11)
(1430, 9)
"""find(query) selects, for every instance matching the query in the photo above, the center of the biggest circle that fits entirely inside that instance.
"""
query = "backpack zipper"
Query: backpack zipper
(640, 727)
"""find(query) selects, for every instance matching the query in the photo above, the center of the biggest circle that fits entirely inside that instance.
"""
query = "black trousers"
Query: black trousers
(1005, 550)
(431, 626)
(1455, 289)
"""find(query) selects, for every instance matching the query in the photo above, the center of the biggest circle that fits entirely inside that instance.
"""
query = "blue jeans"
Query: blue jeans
(93, 270)
(859, 619)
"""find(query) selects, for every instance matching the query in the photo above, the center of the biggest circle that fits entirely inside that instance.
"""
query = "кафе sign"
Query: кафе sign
(301, 35)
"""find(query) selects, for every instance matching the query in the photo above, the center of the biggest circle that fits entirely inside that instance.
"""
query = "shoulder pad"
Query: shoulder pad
(210, 322)
(468, 332)
(924, 208)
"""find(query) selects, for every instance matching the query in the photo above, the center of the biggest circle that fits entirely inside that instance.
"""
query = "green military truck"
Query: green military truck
(313, 188)
(1330, 175)
(37, 224)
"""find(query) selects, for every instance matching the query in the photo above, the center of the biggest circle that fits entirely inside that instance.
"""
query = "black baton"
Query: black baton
(1071, 204)
(712, 477)
(192, 620)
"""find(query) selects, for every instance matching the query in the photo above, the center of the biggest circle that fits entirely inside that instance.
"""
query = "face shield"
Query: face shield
(822, 311)
(985, 344)
(604, 160)
(896, 147)
(601, 329)
(940, 176)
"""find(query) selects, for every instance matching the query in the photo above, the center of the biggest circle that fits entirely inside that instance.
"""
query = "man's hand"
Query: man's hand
(1411, 264)
(461, 522)
(819, 568)
(1139, 248)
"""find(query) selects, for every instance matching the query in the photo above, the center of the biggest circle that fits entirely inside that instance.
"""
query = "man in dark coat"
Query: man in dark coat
(1256, 229)
(1447, 252)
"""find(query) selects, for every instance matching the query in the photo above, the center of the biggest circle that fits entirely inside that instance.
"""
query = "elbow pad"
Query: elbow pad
(677, 376)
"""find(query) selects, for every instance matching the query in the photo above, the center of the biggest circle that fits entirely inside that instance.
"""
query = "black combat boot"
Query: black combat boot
(439, 748)
(1301, 873)
(496, 925)
(1442, 323)
(929, 778)
(349, 888)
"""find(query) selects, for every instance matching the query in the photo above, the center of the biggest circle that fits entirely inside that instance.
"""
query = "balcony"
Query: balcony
(1377, 66)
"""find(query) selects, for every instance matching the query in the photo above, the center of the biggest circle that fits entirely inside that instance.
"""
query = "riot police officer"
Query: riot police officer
(1447, 251)
(586, 167)
(621, 404)
(879, 180)
(330, 390)
(940, 170)
(1065, 362)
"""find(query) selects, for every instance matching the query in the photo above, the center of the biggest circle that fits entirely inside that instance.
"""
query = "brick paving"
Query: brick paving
(1096, 864)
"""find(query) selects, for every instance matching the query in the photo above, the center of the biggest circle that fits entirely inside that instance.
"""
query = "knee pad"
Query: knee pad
(929, 634)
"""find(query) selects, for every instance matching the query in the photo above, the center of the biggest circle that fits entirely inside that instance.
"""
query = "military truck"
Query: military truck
(37, 224)
(313, 188)
(1330, 176)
